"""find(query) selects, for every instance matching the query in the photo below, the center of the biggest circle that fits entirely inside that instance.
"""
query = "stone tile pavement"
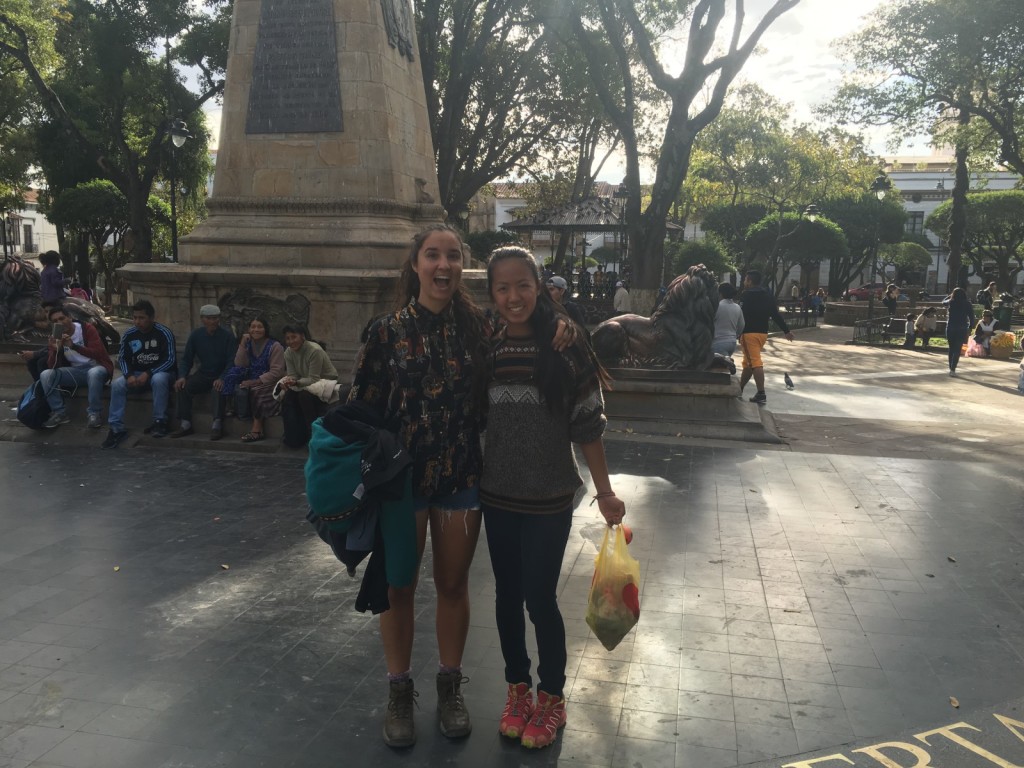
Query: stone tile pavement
(830, 594)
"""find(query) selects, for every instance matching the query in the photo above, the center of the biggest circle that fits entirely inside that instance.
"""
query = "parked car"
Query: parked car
(863, 293)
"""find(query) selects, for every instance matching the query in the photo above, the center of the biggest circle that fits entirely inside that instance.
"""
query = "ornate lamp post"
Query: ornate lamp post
(880, 186)
(178, 132)
(811, 213)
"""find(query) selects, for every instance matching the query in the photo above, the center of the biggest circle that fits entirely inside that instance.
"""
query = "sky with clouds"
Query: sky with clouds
(796, 62)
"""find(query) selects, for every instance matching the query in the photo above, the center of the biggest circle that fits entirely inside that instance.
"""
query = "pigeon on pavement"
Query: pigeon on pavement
(789, 382)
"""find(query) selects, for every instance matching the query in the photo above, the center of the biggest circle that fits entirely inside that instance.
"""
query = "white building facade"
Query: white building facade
(27, 232)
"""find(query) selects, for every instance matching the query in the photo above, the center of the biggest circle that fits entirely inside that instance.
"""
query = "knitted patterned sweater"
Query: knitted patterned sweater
(529, 465)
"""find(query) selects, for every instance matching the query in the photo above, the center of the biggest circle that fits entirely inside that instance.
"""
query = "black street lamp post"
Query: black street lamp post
(621, 194)
(940, 187)
(178, 131)
(880, 186)
(811, 213)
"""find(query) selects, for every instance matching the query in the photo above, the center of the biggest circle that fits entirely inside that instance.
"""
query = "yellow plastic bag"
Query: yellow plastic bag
(614, 605)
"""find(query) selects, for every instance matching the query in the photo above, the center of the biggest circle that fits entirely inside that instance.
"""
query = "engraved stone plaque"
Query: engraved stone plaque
(295, 84)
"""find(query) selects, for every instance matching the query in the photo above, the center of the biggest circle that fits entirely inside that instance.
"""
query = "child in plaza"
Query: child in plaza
(540, 401)
(908, 331)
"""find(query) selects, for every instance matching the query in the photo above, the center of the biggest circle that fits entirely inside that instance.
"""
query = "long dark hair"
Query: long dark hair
(959, 297)
(551, 372)
(468, 316)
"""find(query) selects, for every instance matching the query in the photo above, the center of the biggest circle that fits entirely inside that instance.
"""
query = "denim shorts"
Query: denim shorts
(468, 498)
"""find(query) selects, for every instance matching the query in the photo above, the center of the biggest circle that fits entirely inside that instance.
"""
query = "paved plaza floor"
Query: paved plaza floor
(165, 608)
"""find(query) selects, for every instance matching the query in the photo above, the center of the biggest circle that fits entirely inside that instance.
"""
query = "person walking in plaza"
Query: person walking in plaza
(728, 321)
(306, 364)
(213, 347)
(147, 362)
(75, 358)
(258, 366)
(540, 402)
(959, 319)
(759, 309)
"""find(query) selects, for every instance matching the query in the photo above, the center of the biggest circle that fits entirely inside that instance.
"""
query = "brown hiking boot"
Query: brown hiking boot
(451, 707)
(399, 729)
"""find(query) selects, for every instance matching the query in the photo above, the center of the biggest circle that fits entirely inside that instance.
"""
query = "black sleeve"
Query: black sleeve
(775, 314)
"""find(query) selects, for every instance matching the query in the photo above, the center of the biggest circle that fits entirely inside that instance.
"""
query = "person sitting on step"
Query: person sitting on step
(213, 348)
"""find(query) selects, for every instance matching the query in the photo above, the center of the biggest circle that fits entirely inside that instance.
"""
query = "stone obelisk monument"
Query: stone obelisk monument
(325, 171)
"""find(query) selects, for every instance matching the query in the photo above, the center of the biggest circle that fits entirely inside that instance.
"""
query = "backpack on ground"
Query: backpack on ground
(33, 410)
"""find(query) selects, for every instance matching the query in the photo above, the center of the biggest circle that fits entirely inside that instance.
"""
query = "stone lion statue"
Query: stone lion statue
(677, 335)
(21, 312)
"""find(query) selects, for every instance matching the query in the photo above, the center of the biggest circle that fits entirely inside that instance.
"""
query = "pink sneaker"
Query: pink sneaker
(548, 717)
(517, 712)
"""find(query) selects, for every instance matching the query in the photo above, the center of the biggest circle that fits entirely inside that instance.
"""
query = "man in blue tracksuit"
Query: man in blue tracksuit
(147, 361)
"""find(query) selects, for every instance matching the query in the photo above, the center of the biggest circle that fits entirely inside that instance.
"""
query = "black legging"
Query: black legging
(956, 340)
(526, 556)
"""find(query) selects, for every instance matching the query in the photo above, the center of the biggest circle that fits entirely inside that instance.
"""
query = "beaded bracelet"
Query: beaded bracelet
(603, 495)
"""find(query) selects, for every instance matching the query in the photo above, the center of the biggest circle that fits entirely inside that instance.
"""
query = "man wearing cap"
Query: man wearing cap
(213, 348)
(557, 288)
(622, 304)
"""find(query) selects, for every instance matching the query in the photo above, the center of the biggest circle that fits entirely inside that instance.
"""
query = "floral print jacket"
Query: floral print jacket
(415, 365)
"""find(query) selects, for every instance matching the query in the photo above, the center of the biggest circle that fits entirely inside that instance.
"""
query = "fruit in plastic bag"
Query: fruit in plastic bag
(614, 605)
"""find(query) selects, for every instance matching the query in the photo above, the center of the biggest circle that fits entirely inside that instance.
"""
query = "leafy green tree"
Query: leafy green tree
(752, 160)
(111, 95)
(729, 224)
(916, 59)
(502, 93)
(867, 223)
(780, 243)
(994, 233)
(621, 43)
(482, 243)
(98, 211)
(710, 252)
(904, 257)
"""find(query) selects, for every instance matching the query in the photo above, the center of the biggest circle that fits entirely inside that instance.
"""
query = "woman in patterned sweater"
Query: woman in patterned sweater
(539, 402)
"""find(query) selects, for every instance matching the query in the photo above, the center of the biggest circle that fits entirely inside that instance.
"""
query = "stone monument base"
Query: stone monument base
(694, 404)
(340, 301)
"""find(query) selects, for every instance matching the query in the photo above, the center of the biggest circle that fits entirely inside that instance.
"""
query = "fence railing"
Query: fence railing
(871, 331)
(796, 320)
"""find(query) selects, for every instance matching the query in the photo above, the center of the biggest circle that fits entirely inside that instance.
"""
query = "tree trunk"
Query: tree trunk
(958, 217)
(142, 228)
(83, 269)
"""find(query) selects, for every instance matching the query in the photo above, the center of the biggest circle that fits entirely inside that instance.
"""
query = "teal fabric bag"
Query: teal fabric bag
(333, 478)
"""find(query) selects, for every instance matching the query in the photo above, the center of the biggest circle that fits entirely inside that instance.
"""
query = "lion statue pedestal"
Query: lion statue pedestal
(667, 381)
